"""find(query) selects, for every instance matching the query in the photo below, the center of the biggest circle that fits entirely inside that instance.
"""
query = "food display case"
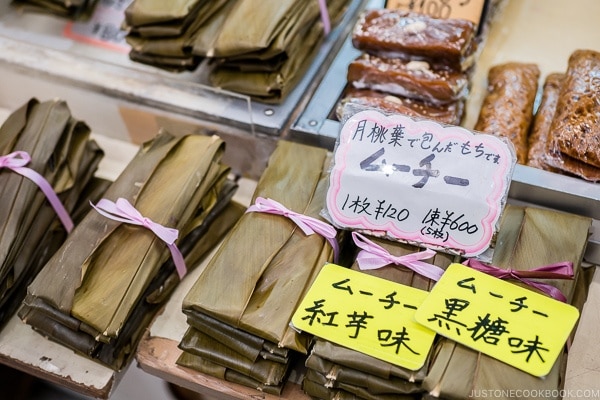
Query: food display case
(522, 32)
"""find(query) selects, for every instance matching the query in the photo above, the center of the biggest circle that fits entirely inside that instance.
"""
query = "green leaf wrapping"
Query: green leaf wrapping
(265, 265)
(176, 182)
(272, 260)
(63, 153)
(528, 238)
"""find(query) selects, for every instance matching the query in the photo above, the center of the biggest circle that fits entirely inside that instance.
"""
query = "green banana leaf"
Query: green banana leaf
(528, 238)
(156, 12)
(338, 389)
(336, 373)
(269, 74)
(370, 368)
(269, 19)
(240, 341)
(174, 181)
(151, 40)
(63, 153)
(43, 247)
(280, 263)
(265, 371)
(197, 363)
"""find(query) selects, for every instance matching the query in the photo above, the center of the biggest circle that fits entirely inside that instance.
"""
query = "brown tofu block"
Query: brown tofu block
(450, 113)
(414, 79)
(412, 36)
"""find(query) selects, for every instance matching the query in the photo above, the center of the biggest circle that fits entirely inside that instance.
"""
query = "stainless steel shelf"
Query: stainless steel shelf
(35, 45)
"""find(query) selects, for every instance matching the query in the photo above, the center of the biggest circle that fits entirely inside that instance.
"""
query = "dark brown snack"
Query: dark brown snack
(507, 108)
(576, 124)
(572, 166)
(402, 34)
(450, 113)
(413, 79)
(540, 128)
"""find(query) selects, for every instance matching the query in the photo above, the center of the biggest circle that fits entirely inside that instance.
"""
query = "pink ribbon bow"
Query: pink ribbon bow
(309, 225)
(373, 256)
(123, 211)
(561, 270)
(325, 16)
(17, 162)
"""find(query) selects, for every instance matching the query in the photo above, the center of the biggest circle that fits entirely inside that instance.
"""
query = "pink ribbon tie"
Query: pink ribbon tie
(373, 256)
(308, 225)
(325, 16)
(17, 162)
(560, 270)
(123, 211)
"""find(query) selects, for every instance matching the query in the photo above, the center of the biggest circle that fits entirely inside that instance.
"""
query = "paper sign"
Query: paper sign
(104, 27)
(368, 314)
(419, 181)
(508, 322)
(471, 10)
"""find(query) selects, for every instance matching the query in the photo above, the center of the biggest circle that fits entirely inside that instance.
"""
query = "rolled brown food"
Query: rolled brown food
(576, 123)
(414, 79)
(413, 36)
(451, 113)
(540, 128)
(507, 108)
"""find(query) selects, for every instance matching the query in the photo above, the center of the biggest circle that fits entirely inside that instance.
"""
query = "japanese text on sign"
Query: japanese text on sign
(419, 181)
(465, 9)
(513, 324)
(368, 314)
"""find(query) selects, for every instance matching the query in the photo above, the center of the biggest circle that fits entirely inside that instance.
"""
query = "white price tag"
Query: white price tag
(419, 181)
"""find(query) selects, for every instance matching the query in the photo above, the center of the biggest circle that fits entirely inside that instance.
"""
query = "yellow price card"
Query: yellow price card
(508, 322)
(368, 314)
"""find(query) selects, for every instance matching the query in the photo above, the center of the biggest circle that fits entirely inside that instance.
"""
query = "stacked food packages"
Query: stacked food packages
(412, 64)
(240, 307)
(101, 288)
(335, 371)
(47, 167)
(263, 59)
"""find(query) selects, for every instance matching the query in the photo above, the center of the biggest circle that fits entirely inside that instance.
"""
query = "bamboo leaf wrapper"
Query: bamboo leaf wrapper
(258, 262)
(63, 154)
(339, 368)
(265, 265)
(174, 182)
(528, 238)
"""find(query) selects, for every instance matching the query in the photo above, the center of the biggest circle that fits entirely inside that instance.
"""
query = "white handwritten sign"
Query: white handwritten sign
(419, 181)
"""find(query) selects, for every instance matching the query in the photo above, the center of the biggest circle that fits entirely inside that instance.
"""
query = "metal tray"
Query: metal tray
(36, 43)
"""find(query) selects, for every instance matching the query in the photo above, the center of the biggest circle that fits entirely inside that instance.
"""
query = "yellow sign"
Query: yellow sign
(368, 314)
(471, 10)
(508, 322)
